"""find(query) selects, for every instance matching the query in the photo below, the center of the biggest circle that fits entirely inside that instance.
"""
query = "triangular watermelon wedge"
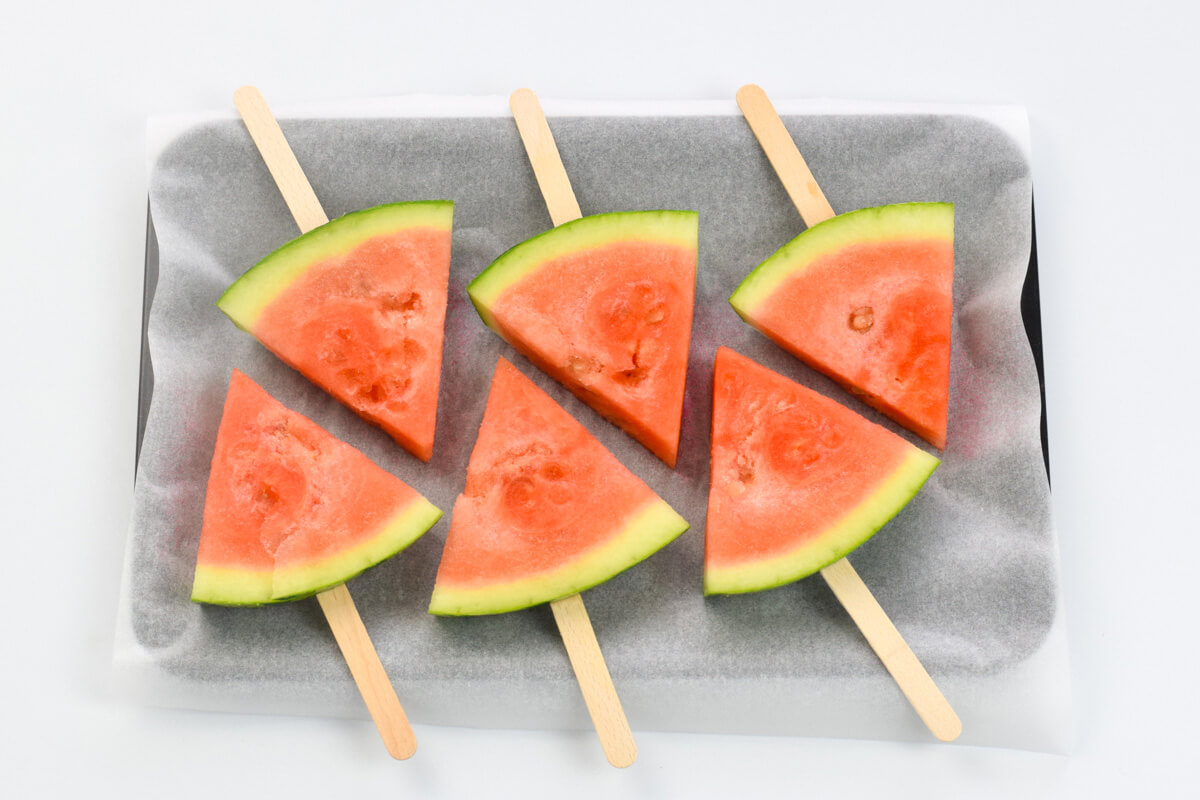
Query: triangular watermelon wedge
(603, 304)
(866, 298)
(358, 306)
(547, 511)
(798, 481)
(290, 510)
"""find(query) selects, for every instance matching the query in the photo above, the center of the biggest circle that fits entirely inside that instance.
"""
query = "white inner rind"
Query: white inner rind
(664, 227)
(648, 530)
(233, 586)
(857, 526)
(246, 298)
(896, 222)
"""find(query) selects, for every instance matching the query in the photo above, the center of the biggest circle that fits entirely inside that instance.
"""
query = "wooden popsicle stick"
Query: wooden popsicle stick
(599, 693)
(543, 157)
(281, 161)
(368, 672)
(930, 704)
(784, 156)
(924, 695)
(348, 630)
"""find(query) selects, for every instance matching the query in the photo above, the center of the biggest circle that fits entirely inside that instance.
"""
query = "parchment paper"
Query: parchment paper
(967, 571)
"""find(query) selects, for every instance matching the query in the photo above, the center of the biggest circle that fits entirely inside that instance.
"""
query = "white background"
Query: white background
(1111, 96)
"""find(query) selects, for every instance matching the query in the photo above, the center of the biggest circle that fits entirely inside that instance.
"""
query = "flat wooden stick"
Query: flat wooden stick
(543, 157)
(930, 704)
(368, 672)
(599, 693)
(784, 156)
(348, 629)
(281, 161)
(854, 595)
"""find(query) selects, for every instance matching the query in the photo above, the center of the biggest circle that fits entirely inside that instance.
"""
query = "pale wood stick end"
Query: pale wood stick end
(748, 92)
(522, 95)
(948, 727)
(624, 758)
(402, 751)
(245, 93)
(368, 672)
(599, 693)
(898, 658)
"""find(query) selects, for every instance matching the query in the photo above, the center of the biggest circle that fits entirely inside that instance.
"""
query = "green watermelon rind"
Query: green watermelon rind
(650, 529)
(230, 586)
(855, 527)
(234, 587)
(585, 233)
(895, 222)
(245, 299)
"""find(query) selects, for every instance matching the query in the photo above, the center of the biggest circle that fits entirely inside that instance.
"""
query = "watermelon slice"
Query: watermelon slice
(290, 510)
(547, 511)
(357, 305)
(866, 298)
(603, 304)
(797, 481)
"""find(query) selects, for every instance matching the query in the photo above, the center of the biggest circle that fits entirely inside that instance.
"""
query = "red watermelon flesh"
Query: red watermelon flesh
(866, 298)
(290, 510)
(358, 306)
(603, 304)
(797, 480)
(547, 511)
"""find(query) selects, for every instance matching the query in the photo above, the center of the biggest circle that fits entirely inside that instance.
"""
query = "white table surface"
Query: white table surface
(1109, 88)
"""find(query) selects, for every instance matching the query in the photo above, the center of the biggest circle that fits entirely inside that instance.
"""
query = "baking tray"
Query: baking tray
(681, 662)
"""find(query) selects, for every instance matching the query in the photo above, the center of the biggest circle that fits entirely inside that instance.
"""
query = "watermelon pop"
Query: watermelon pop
(547, 511)
(610, 303)
(357, 305)
(303, 465)
(819, 454)
(864, 297)
(603, 303)
(290, 510)
(797, 480)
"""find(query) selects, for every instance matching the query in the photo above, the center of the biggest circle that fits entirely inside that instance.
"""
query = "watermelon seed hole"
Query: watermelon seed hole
(579, 365)
(351, 375)
(376, 393)
(631, 377)
(404, 302)
(520, 493)
(635, 374)
(862, 319)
